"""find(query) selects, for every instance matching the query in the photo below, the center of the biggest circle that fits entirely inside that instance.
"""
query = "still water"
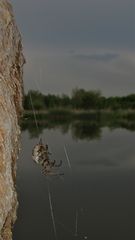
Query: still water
(94, 199)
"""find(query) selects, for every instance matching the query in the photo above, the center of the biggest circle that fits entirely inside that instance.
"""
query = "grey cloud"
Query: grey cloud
(105, 57)
(78, 24)
(62, 22)
(62, 72)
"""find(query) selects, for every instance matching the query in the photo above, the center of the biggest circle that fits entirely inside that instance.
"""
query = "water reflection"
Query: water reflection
(84, 126)
(93, 200)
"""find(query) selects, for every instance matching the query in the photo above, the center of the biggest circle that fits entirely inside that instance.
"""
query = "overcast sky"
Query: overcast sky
(78, 43)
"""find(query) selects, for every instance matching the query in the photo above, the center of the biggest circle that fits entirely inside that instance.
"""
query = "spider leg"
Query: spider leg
(59, 164)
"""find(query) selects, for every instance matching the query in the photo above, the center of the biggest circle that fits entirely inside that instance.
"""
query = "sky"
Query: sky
(87, 44)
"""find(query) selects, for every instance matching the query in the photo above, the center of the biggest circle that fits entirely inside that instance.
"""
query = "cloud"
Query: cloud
(105, 57)
(93, 22)
(61, 72)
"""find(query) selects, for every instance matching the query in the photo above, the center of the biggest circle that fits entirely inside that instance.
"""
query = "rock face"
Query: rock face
(11, 94)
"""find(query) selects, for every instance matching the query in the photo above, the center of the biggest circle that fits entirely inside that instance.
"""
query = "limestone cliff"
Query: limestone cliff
(11, 94)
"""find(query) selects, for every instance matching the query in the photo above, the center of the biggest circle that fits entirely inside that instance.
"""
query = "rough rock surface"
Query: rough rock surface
(11, 94)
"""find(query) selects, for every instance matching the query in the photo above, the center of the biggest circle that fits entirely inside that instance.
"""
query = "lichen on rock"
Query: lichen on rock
(11, 96)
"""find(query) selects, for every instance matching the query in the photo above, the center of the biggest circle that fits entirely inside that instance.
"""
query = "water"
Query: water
(95, 199)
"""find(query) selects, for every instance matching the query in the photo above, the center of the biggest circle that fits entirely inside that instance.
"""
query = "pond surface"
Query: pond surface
(94, 199)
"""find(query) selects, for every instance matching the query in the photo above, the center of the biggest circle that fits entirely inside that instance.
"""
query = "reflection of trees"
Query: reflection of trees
(80, 129)
(33, 131)
(86, 130)
(129, 125)
(83, 126)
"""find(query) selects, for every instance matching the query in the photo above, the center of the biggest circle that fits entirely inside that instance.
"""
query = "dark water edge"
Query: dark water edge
(99, 187)
(83, 125)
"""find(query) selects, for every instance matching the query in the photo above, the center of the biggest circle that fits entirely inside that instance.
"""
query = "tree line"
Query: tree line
(80, 100)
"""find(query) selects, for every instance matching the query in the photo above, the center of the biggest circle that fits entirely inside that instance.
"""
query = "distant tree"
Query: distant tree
(52, 101)
(37, 100)
(80, 99)
(77, 96)
(102, 103)
(85, 99)
(65, 101)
